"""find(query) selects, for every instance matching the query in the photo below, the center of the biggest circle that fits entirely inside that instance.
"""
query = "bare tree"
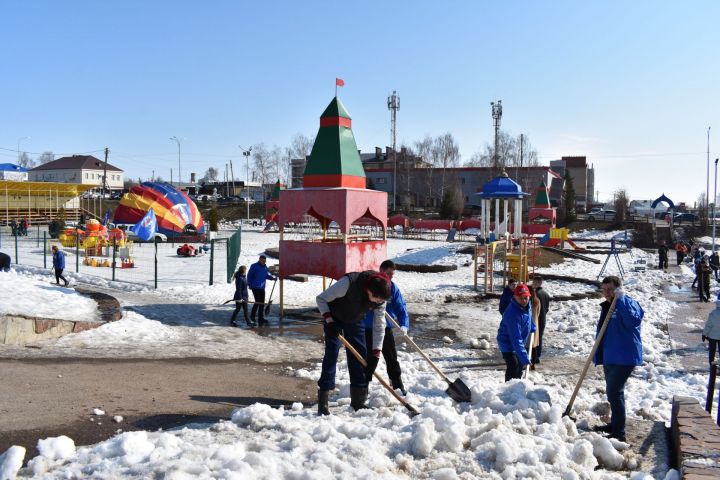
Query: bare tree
(45, 157)
(266, 164)
(423, 149)
(300, 146)
(25, 161)
(445, 154)
(509, 153)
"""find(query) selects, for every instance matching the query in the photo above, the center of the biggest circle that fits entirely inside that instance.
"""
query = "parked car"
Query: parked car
(685, 217)
(244, 200)
(602, 215)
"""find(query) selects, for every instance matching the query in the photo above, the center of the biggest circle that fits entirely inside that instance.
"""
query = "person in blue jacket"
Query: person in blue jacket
(256, 278)
(241, 297)
(507, 295)
(58, 259)
(514, 332)
(619, 351)
(396, 308)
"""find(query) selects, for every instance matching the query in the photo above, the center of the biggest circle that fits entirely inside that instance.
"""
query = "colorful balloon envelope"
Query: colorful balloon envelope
(177, 215)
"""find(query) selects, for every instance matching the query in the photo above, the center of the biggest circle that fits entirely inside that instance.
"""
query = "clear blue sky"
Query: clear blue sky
(632, 85)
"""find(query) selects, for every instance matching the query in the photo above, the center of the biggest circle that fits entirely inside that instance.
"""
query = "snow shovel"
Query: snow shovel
(269, 302)
(527, 369)
(599, 338)
(413, 411)
(456, 390)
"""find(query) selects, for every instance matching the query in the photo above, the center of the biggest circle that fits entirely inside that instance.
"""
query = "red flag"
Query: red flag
(339, 82)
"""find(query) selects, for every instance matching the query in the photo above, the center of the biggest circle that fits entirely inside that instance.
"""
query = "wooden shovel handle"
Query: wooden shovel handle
(362, 361)
(410, 340)
(592, 354)
(527, 369)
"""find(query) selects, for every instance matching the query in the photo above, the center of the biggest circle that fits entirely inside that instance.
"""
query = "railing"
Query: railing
(711, 391)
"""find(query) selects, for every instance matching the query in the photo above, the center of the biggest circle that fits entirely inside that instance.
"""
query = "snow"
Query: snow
(10, 462)
(508, 430)
(97, 411)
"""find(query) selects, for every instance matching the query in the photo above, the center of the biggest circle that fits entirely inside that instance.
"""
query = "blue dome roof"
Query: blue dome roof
(501, 187)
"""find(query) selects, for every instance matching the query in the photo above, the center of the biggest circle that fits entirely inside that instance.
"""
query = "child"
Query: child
(241, 297)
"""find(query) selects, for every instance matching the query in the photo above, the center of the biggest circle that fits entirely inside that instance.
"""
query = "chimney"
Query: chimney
(192, 177)
(378, 153)
(388, 152)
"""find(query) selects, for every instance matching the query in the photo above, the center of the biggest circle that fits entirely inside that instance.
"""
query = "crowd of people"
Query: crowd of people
(19, 228)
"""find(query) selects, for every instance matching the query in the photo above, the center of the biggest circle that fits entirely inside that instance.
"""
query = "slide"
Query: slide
(544, 239)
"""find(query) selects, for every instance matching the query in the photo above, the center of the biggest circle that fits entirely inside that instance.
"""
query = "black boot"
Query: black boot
(358, 397)
(323, 396)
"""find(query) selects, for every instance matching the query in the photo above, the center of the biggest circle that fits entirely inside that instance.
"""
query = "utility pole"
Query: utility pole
(714, 202)
(232, 176)
(153, 176)
(104, 187)
(496, 115)
(246, 154)
(707, 186)
(524, 184)
(227, 181)
(393, 104)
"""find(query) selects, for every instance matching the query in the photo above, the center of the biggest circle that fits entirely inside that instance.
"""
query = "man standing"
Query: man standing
(681, 251)
(711, 332)
(663, 254)
(396, 308)
(544, 298)
(507, 295)
(703, 276)
(343, 307)
(256, 278)
(514, 331)
(619, 351)
(58, 259)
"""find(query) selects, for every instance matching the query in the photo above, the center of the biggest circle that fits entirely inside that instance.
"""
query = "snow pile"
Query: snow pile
(10, 462)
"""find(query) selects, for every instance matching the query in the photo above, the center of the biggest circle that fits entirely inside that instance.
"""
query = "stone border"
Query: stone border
(695, 438)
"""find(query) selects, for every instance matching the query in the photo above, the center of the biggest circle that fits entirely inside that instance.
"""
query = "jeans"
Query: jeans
(663, 263)
(714, 344)
(389, 353)
(355, 335)
(240, 306)
(513, 366)
(59, 275)
(615, 378)
(537, 351)
(259, 296)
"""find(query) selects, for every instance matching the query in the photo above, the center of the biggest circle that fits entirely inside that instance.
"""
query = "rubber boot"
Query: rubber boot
(323, 396)
(358, 397)
(397, 384)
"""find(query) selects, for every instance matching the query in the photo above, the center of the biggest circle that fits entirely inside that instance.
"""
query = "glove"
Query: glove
(619, 293)
(332, 329)
(404, 330)
(372, 363)
(704, 338)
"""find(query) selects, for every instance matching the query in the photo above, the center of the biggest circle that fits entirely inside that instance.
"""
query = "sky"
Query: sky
(631, 85)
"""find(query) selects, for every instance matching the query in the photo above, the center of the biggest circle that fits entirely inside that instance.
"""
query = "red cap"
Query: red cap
(522, 290)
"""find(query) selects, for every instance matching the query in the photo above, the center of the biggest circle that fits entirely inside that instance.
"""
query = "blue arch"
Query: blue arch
(663, 198)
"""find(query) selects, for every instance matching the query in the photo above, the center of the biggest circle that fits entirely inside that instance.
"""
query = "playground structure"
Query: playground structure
(509, 258)
(559, 237)
(542, 217)
(272, 207)
(502, 190)
(99, 244)
(334, 191)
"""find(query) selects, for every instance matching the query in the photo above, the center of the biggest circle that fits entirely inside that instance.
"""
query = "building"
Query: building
(583, 177)
(12, 172)
(80, 169)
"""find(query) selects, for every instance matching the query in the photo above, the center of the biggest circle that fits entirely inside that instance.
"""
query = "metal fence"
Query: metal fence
(144, 264)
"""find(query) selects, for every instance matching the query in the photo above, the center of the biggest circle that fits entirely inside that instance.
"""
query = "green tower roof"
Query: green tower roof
(275, 195)
(334, 159)
(542, 199)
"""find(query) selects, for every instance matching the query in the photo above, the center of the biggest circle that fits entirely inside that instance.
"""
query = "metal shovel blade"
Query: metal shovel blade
(458, 391)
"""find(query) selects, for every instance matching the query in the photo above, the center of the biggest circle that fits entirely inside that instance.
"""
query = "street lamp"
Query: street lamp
(178, 140)
(18, 145)
(714, 202)
(246, 154)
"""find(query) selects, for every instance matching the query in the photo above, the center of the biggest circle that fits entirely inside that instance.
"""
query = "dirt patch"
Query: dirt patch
(408, 267)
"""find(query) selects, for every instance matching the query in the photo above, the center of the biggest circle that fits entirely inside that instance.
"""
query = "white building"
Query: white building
(12, 172)
(83, 169)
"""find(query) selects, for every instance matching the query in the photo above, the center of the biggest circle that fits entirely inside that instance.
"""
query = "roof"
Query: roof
(501, 187)
(575, 162)
(11, 167)
(75, 162)
(43, 189)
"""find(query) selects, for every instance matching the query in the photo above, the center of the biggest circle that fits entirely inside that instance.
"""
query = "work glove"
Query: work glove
(332, 329)
(704, 338)
(372, 363)
(619, 293)
(404, 330)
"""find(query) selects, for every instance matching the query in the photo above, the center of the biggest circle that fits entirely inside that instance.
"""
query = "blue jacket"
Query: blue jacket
(241, 288)
(622, 344)
(505, 298)
(59, 260)
(395, 306)
(515, 328)
(257, 275)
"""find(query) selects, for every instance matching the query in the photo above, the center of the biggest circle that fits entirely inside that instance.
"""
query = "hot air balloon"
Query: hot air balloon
(177, 215)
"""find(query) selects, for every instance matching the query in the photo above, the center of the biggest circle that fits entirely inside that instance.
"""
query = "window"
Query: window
(380, 180)
(86, 175)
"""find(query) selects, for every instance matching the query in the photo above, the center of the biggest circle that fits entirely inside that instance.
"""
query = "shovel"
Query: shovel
(599, 338)
(527, 369)
(269, 302)
(456, 390)
(413, 411)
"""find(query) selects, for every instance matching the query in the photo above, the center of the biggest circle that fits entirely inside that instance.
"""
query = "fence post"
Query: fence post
(212, 259)
(711, 388)
(77, 251)
(155, 240)
(38, 236)
(16, 249)
(114, 256)
(44, 249)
